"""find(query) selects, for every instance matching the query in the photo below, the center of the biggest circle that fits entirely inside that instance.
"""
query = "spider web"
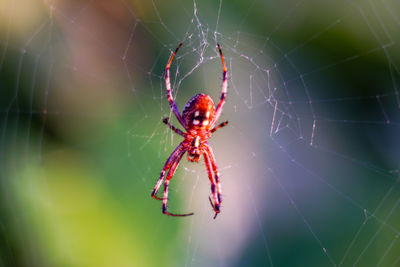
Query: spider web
(309, 161)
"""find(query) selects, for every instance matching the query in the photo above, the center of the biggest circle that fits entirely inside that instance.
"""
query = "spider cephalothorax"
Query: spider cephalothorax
(199, 117)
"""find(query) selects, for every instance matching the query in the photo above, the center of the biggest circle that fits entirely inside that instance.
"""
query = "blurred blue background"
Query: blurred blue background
(309, 160)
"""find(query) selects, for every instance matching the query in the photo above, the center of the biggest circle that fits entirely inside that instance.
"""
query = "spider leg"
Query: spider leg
(173, 128)
(219, 126)
(215, 203)
(171, 173)
(168, 86)
(212, 205)
(215, 169)
(167, 165)
(221, 103)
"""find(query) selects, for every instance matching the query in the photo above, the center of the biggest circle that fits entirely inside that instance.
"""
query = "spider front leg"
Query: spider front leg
(178, 151)
(171, 173)
(215, 203)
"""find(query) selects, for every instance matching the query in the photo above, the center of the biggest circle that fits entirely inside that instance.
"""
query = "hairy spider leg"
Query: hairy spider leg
(171, 173)
(214, 203)
(172, 158)
(210, 153)
(171, 101)
(221, 103)
(222, 124)
(173, 128)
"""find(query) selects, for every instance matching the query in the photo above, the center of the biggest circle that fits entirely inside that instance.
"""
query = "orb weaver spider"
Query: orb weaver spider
(198, 118)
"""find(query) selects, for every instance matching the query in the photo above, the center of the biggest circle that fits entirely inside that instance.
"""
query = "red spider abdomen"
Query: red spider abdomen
(199, 112)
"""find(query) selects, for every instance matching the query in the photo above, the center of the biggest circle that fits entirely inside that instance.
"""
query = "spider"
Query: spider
(198, 118)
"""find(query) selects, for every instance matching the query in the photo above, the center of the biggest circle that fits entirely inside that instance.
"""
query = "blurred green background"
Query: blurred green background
(309, 161)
